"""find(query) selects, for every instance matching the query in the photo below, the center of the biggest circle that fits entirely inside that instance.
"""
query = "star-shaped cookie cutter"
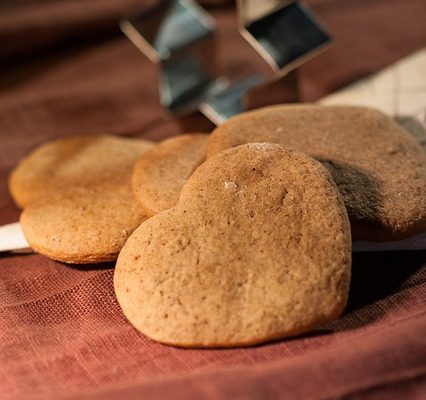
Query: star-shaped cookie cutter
(179, 37)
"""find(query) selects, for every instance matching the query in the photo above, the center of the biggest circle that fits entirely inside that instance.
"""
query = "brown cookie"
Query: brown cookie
(257, 248)
(87, 225)
(76, 161)
(161, 172)
(77, 195)
(380, 168)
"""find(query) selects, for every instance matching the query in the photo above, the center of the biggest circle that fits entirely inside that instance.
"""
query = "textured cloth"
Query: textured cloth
(66, 69)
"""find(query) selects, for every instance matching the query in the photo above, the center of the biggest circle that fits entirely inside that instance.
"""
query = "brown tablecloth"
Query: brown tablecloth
(64, 69)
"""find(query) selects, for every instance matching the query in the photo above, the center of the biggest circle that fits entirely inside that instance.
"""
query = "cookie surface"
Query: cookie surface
(77, 197)
(379, 168)
(82, 226)
(257, 248)
(76, 161)
(158, 176)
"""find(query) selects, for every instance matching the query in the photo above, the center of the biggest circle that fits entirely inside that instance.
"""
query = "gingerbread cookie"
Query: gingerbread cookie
(76, 161)
(257, 248)
(82, 226)
(161, 172)
(380, 168)
(77, 196)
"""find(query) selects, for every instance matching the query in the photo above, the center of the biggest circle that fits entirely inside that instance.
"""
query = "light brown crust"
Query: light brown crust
(75, 161)
(158, 176)
(257, 248)
(82, 226)
(77, 196)
(379, 168)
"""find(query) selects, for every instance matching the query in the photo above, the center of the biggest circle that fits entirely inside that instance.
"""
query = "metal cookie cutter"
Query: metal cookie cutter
(179, 37)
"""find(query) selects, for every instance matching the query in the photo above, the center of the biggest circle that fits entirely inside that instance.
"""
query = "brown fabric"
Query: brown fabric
(62, 334)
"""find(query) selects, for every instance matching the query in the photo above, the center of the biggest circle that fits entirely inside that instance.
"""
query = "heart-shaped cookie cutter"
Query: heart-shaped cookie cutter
(179, 37)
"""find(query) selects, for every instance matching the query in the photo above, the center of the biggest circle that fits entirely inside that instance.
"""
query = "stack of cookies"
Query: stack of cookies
(233, 238)
(77, 197)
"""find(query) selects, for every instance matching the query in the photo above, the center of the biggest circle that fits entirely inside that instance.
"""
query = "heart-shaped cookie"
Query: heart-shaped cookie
(258, 247)
(77, 197)
(158, 176)
(379, 168)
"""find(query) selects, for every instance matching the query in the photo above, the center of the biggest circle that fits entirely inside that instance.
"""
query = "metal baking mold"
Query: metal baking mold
(179, 37)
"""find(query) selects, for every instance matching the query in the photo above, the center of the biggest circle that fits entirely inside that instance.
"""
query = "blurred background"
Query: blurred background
(65, 58)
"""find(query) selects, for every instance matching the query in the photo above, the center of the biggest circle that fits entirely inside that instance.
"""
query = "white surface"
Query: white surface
(398, 90)
(12, 238)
